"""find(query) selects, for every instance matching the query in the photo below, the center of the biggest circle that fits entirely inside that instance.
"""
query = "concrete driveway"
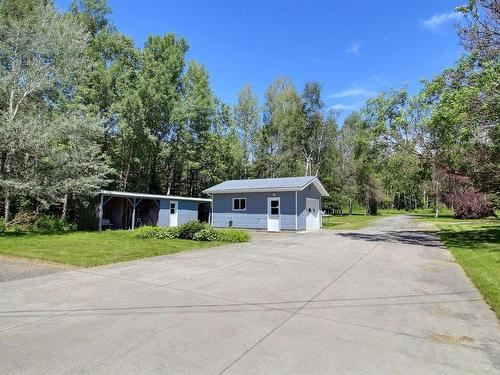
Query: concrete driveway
(360, 302)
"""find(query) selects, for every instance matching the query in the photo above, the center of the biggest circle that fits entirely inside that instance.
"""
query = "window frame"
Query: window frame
(239, 209)
(275, 199)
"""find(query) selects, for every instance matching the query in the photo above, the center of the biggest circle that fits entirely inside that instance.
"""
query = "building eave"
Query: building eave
(126, 194)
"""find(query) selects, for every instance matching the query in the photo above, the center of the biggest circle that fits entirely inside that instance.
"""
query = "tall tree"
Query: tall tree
(246, 114)
(35, 58)
(316, 131)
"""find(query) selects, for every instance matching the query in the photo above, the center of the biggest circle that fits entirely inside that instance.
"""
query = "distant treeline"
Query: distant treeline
(84, 109)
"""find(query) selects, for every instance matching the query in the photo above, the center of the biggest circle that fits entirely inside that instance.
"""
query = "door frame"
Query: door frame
(319, 218)
(268, 213)
(176, 213)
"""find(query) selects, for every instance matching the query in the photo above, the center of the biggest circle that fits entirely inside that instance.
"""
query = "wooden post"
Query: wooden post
(133, 214)
(101, 207)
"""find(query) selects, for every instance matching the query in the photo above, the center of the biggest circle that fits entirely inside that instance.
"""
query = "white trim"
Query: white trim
(316, 207)
(176, 213)
(240, 209)
(134, 205)
(296, 219)
(279, 211)
(126, 194)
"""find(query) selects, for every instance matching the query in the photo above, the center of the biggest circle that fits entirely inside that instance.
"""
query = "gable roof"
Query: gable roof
(266, 185)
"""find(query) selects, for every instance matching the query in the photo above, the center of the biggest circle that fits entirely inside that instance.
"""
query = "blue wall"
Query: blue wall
(186, 211)
(255, 215)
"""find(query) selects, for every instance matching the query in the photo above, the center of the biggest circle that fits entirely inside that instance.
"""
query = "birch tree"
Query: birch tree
(35, 57)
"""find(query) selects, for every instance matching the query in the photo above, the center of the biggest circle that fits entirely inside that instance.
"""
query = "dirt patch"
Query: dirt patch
(439, 337)
(12, 268)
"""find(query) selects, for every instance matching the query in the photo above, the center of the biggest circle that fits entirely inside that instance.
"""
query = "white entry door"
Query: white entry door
(173, 213)
(273, 214)
(313, 216)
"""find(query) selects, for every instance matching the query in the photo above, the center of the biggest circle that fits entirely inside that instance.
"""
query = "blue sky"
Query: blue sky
(354, 48)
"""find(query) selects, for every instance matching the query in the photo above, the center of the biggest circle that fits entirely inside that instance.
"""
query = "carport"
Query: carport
(126, 210)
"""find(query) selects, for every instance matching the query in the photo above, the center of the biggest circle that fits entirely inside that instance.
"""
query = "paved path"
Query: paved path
(12, 268)
(360, 302)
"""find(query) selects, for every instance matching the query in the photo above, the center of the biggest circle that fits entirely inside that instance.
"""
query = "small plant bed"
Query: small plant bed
(354, 221)
(193, 230)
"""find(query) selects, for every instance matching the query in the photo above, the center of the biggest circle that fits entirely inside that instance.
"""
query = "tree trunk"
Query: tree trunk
(6, 211)
(437, 199)
(64, 207)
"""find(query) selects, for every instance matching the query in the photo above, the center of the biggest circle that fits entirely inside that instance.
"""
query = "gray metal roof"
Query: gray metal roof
(266, 185)
(126, 194)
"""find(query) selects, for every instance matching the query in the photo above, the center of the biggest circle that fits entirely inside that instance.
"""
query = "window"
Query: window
(275, 207)
(172, 208)
(239, 204)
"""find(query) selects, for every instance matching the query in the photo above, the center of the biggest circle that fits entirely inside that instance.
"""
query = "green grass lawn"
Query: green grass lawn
(355, 221)
(87, 249)
(475, 244)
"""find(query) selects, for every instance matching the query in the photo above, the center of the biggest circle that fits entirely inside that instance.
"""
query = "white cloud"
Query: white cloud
(352, 92)
(437, 20)
(355, 48)
(347, 107)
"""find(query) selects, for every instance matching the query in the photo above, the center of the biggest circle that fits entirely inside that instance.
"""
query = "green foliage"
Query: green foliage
(2, 225)
(232, 235)
(149, 232)
(100, 111)
(51, 224)
(188, 230)
(207, 234)
(192, 230)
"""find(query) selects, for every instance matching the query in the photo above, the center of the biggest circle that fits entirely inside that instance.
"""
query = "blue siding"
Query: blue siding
(163, 215)
(186, 211)
(309, 192)
(255, 215)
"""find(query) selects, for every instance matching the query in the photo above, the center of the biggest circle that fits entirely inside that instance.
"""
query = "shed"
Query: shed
(125, 210)
(273, 204)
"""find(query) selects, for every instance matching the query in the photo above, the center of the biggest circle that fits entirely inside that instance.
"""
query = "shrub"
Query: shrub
(193, 230)
(232, 235)
(2, 225)
(49, 223)
(207, 234)
(187, 230)
(147, 232)
(169, 233)
(471, 204)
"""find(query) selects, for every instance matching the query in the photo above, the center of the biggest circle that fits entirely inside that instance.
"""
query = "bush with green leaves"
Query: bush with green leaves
(2, 225)
(49, 223)
(207, 234)
(188, 230)
(232, 235)
(148, 232)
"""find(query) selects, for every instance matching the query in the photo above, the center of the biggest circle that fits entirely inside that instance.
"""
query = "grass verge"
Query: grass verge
(475, 244)
(88, 249)
(355, 221)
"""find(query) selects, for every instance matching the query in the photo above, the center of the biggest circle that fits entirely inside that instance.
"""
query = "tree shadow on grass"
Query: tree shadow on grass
(21, 234)
(404, 237)
(472, 239)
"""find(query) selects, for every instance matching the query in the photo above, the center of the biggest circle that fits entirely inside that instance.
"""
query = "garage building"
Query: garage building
(273, 204)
